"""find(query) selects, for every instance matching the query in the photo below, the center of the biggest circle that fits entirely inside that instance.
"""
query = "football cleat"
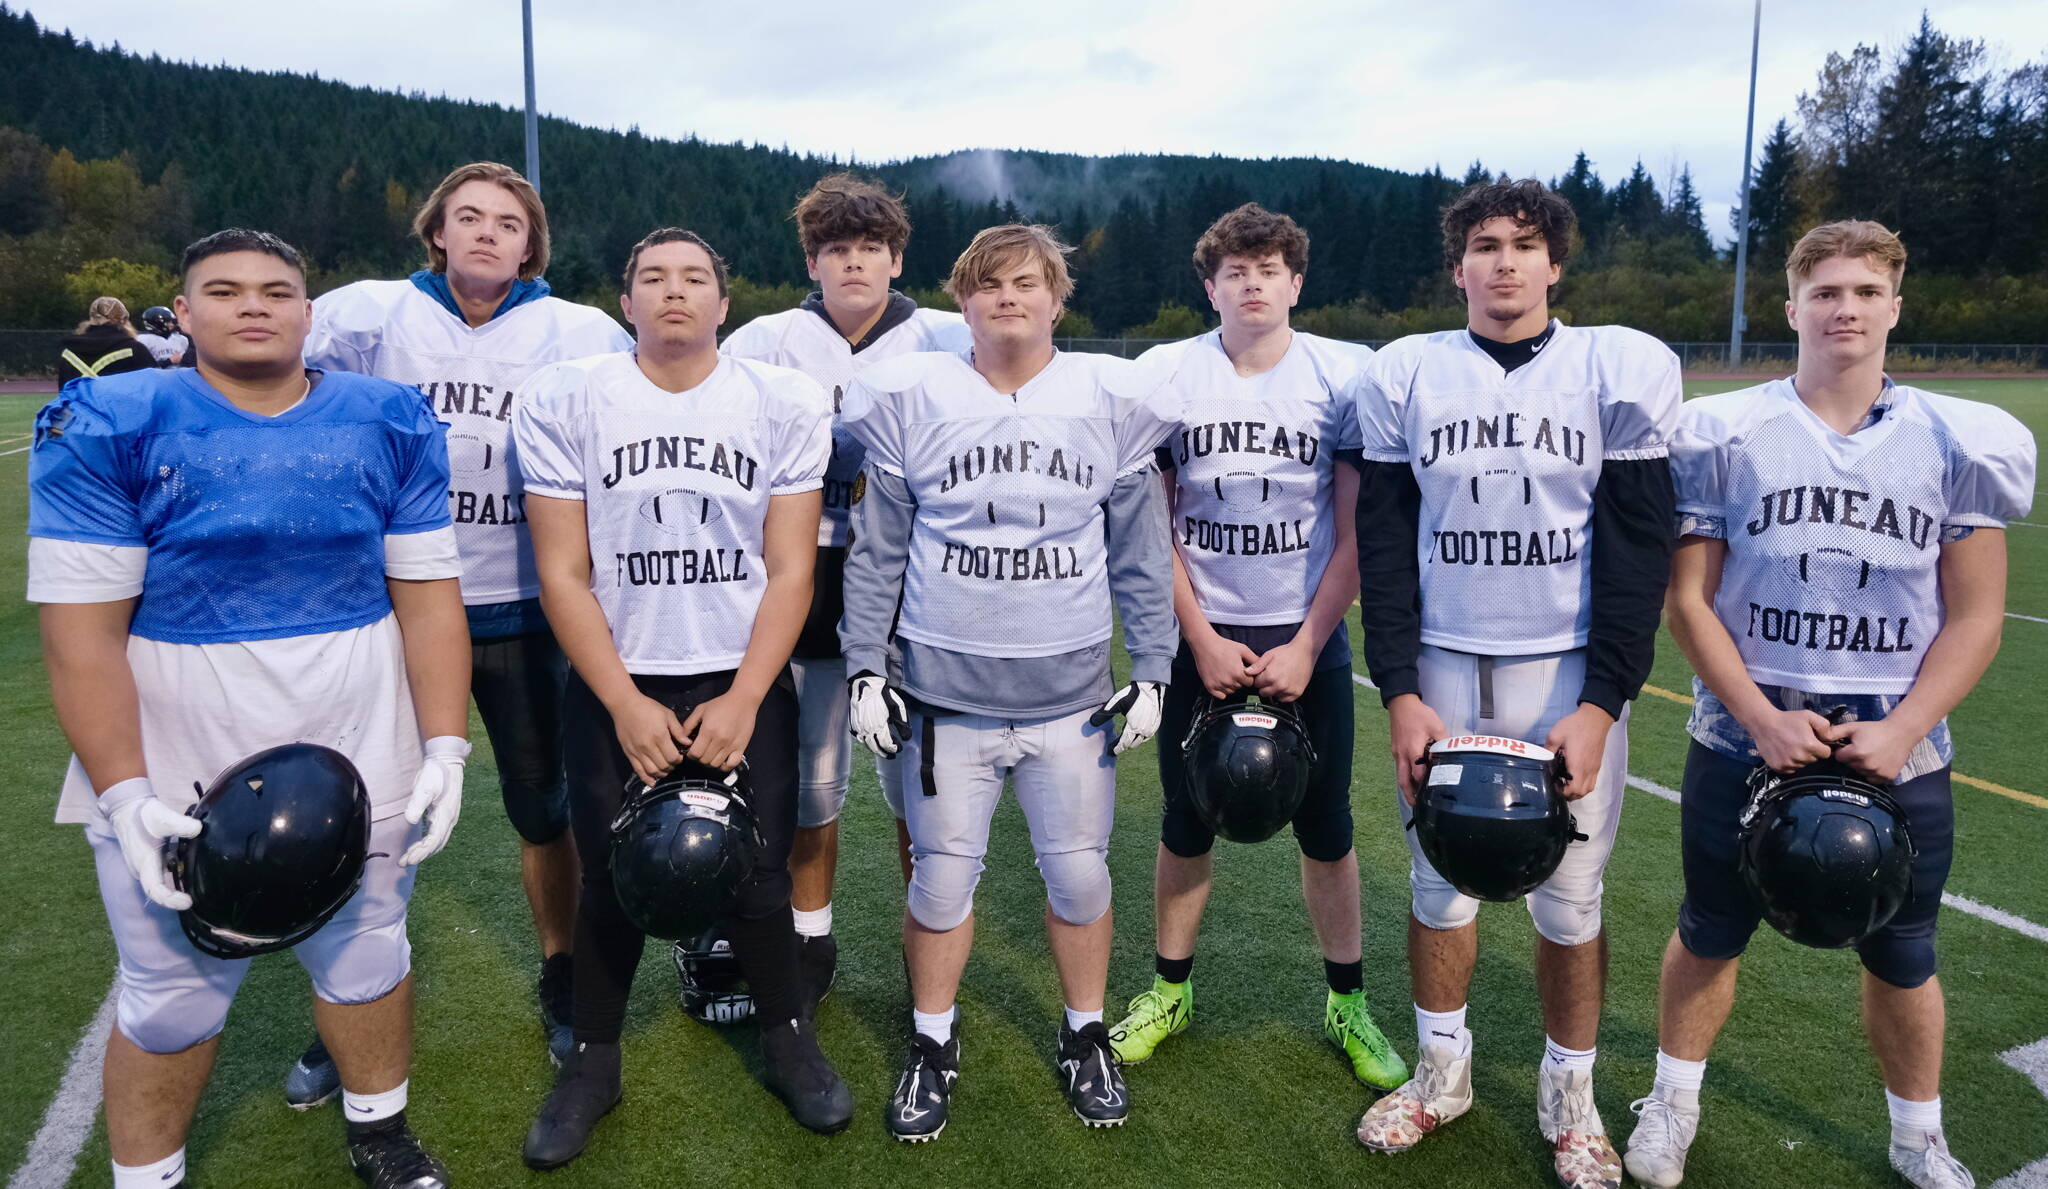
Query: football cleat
(1349, 1026)
(1931, 1166)
(557, 996)
(1663, 1134)
(798, 1073)
(1095, 1087)
(387, 1155)
(312, 1079)
(817, 962)
(1582, 1155)
(924, 1090)
(586, 1089)
(1164, 1009)
(1439, 1091)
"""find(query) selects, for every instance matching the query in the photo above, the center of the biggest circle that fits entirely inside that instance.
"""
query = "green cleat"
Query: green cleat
(1349, 1026)
(1157, 1014)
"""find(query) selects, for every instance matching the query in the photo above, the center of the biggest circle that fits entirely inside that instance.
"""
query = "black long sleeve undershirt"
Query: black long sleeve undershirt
(1389, 580)
(1634, 509)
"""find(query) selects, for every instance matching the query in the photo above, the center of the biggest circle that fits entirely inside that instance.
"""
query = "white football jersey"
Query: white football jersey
(1831, 581)
(1254, 470)
(1507, 463)
(1008, 555)
(475, 376)
(675, 489)
(801, 339)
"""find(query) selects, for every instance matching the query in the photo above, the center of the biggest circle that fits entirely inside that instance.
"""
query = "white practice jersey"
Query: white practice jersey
(1831, 579)
(1507, 463)
(1254, 464)
(1008, 556)
(675, 489)
(801, 339)
(474, 376)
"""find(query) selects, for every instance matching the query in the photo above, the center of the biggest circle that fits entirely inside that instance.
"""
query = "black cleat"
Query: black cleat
(1095, 1088)
(387, 1155)
(798, 1073)
(312, 1079)
(557, 994)
(924, 1091)
(817, 960)
(586, 1090)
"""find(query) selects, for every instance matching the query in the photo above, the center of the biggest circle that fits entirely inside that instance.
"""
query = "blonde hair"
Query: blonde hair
(997, 249)
(106, 311)
(433, 214)
(1858, 239)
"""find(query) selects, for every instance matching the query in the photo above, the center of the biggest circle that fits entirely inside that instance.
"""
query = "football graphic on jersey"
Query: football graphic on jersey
(1243, 491)
(679, 510)
(470, 454)
(1835, 569)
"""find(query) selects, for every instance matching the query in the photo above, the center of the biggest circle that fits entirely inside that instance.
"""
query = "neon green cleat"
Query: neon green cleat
(1157, 1014)
(1349, 1026)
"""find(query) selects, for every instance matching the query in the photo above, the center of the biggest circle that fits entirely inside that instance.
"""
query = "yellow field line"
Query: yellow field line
(1959, 778)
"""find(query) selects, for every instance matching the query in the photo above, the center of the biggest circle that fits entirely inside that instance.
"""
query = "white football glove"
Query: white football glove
(881, 719)
(436, 796)
(1141, 703)
(141, 823)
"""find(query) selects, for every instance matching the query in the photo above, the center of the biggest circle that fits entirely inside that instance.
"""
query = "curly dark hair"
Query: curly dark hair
(1251, 230)
(1528, 202)
(844, 206)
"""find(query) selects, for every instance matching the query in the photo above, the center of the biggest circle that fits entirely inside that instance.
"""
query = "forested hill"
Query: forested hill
(110, 162)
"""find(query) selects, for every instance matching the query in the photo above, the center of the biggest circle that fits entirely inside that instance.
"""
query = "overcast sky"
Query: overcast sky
(1406, 84)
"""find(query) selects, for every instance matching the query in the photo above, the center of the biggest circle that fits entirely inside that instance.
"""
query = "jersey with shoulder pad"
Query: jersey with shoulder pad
(1831, 580)
(1254, 467)
(675, 490)
(801, 339)
(1507, 464)
(257, 528)
(1008, 556)
(473, 375)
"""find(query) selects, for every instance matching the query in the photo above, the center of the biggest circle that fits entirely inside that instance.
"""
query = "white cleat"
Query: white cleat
(1931, 1166)
(1663, 1134)
(1440, 1091)
(1582, 1155)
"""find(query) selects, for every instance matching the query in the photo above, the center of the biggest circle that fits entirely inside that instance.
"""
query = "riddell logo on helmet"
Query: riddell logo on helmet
(1494, 744)
(1844, 795)
(704, 800)
(1249, 719)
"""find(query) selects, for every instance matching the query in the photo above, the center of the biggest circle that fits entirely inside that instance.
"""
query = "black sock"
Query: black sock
(356, 1131)
(766, 949)
(1176, 970)
(1345, 977)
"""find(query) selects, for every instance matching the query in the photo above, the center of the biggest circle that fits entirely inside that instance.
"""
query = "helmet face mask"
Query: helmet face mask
(1247, 768)
(1826, 853)
(1491, 817)
(714, 991)
(680, 850)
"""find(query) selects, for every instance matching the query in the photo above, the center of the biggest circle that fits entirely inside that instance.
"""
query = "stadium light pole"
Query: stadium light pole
(1735, 325)
(533, 117)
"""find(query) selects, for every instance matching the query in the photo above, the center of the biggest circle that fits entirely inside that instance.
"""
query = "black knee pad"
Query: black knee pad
(1905, 960)
(1325, 837)
(539, 812)
(1182, 832)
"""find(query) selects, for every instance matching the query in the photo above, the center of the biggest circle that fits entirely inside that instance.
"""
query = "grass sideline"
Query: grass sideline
(1251, 1095)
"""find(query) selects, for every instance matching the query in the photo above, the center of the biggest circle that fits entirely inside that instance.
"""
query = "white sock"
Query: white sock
(937, 1025)
(151, 1176)
(1556, 1056)
(1077, 1020)
(1913, 1122)
(1676, 1077)
(1443, 1028)
(816, 922)
(368, 1108)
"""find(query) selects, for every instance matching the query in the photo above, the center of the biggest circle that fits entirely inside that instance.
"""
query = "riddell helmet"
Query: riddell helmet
(714, 991)
(286, 833)
(1491, 816)
(1826, 853)
(158, 320)
(680, 849)
(1247, 768)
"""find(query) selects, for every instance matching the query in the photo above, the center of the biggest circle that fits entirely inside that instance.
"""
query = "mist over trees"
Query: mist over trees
(110, 162)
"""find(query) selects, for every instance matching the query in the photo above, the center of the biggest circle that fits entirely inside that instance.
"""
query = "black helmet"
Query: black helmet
(159, 321)
(1247, 768)
(286, 833)
(1491, 815)
(680, 849)
(1826, 853)
(714, 990)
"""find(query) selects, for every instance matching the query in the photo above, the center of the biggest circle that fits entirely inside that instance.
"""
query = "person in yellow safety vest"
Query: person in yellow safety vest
(103, 345)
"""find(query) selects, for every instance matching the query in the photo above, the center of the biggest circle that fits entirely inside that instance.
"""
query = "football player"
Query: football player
(469, 329)
(1008, 495)
(1843, 551)
(674, 495)
(1265, 567)
(1513, 543)
(853, 233)
(246, 554)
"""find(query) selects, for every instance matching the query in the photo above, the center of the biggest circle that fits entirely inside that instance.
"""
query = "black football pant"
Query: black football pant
(761, 929)
(517, 682)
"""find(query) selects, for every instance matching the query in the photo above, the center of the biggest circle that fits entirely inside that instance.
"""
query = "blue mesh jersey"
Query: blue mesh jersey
(258, 528)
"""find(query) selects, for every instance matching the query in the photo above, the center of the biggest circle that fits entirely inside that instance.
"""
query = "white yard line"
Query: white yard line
(17, 450)
(67, 1124)
(2028, 618)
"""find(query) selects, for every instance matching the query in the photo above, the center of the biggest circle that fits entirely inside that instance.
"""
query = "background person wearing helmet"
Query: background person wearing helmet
(1843, 546)
(160, 333)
